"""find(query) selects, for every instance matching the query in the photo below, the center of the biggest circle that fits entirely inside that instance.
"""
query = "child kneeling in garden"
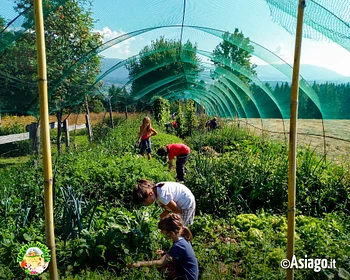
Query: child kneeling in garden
(172, 196)
(180, 260)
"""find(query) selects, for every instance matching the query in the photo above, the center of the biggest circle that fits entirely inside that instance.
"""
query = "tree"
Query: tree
(69, 37)
(120, 99)
(168, 54)
(17, 73)
(235, 48)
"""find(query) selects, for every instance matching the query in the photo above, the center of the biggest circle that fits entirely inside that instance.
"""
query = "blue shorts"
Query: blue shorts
(145, 145)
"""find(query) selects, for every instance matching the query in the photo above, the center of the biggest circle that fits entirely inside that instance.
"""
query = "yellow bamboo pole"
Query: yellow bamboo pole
(45, 136)
(293, 139)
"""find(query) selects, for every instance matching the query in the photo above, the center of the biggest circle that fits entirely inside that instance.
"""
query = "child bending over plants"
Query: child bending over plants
(144, 139)
(181, 152)
(171, 196)
(180, 262)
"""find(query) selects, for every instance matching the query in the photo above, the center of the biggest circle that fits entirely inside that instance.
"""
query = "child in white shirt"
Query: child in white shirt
(172, 196)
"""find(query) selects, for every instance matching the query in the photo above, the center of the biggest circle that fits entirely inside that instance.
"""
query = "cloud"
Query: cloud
(281, 50)
(120, 50)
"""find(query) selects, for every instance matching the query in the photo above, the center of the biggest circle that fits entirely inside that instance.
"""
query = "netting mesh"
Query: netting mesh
(323, 19)
(224, 87)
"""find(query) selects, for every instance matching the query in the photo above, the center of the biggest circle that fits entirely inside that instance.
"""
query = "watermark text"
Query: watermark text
(308, 263)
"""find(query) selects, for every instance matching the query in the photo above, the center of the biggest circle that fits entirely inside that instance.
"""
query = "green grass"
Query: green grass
(5, 162)
(78, 141)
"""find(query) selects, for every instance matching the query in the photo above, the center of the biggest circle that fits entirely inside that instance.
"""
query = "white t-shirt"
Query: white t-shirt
(177, 192)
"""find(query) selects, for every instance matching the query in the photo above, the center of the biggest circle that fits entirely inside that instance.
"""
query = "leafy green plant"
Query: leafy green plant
(161, 110)
(77, 213)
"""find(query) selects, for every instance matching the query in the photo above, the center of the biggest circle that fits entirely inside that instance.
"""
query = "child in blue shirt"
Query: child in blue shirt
(181, 254)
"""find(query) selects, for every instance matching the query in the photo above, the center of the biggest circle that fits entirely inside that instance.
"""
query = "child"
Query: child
(181, 253)
(181, 152)
(144, 141)
(171, 196)
(212, 124)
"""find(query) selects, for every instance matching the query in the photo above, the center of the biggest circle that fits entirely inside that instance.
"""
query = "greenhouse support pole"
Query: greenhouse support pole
(45, 136)
(293, 139)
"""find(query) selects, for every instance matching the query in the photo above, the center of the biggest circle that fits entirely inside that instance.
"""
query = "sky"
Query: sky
(117, 17)
(252, 17)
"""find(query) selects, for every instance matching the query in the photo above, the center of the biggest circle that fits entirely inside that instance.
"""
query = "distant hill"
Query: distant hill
(310, 73)
(266, 73)
(119, 76)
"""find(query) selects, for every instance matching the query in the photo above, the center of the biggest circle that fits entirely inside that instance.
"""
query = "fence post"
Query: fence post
(34, 136)
(66, 131)
(88, 126)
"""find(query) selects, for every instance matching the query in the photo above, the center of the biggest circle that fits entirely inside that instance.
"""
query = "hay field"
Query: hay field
(72, 119)
(336, 144)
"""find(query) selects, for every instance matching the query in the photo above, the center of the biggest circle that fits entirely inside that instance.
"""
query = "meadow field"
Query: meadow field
(330, 137)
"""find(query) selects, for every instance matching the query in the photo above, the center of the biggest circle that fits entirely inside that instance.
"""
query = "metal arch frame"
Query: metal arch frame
(221, 104)
(236, 80)
(308, 90)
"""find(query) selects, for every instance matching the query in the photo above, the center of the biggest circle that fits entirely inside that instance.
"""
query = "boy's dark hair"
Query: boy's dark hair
(140, 192)
(162, 151)
(173, 223)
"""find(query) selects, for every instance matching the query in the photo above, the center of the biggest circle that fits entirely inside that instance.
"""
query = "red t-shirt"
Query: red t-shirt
(177, 150)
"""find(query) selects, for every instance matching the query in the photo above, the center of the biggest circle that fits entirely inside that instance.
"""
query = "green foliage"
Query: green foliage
(251, 174)
(120, 99)
(96, 106)
(240, 226)
(323, 187)
(69, 37)
(252, 246)
(186, 118)
(15, 149)
(180, 121)
(77, 213)
(161, 110)
(234, 49)
(191, 121)
(159, 62)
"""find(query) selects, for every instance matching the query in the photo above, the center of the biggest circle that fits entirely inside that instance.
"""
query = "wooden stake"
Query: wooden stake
(45, 136)
(293, 139)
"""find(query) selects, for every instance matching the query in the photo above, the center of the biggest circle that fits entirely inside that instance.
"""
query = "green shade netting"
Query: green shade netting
(218, 85)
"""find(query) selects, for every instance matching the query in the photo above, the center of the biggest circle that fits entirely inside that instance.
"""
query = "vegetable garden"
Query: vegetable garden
(240, 185)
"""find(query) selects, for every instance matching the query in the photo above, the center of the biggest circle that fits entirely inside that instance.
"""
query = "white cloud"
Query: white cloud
(281, 50)
(120, 50)
(326, 54)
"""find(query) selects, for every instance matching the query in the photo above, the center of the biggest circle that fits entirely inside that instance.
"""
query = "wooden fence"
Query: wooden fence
(34, 133)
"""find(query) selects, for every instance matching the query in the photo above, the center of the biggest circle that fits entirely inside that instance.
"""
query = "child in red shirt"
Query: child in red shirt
(181, 152)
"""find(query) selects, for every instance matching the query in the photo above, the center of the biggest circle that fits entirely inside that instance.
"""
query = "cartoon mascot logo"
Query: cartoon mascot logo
(34, 258)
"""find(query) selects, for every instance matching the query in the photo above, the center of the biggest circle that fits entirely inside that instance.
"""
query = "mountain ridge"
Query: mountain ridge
(309, 72)
(266, 73)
